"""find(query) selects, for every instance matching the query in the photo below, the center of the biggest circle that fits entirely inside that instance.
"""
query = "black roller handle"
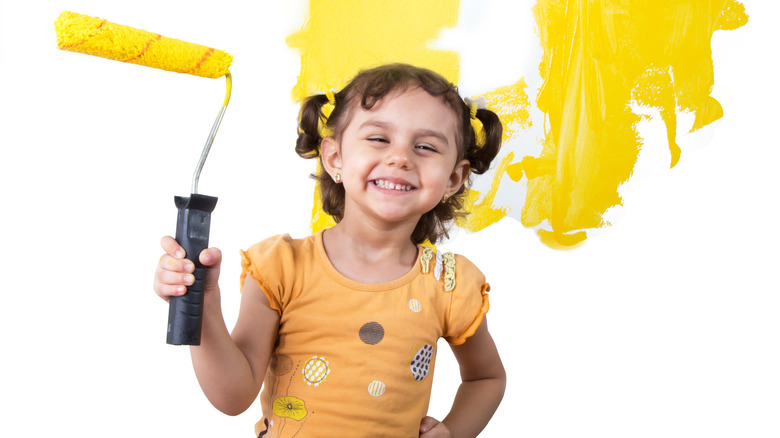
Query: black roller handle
(185, 312)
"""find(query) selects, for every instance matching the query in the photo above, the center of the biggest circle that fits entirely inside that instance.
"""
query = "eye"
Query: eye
(425, 147)
(377, 138)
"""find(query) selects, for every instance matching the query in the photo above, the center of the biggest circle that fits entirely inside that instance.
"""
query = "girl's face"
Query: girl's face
(399, 159)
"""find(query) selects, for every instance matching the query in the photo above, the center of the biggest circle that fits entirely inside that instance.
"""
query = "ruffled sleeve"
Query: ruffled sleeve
(468, 302)
(271, 263)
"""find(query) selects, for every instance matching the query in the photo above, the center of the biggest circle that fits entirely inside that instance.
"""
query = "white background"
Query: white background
(664, 325)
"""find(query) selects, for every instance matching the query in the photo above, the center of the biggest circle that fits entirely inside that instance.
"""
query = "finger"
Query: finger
(171, 283)
(174, 278)
(438, 431)
(211, 257)
(427, 424)
(172, 247)
(170, 263)
(166, 291)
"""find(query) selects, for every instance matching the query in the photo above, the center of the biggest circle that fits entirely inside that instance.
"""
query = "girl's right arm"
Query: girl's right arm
(229, 368)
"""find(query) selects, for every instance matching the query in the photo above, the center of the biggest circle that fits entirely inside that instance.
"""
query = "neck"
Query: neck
(372, 242)
(368, 253)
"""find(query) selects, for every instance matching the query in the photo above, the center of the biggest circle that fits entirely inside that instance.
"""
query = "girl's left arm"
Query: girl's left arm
(483, 380)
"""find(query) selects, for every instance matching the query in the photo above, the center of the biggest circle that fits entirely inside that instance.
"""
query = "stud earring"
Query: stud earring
(337, 178)
(445, 199)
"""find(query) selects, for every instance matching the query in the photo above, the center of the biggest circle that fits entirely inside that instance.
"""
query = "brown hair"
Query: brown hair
(368, 88)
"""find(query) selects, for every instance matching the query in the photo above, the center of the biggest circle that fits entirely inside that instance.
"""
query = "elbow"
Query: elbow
(497, 379)
(501, 378)
(495, 372)
(231, 406)
(233, 402)
(231, 410)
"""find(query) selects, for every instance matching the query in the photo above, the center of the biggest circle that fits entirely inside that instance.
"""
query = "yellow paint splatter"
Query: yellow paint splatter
(600, 57)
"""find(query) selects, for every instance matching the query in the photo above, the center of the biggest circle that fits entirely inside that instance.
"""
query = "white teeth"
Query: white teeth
(390, 186)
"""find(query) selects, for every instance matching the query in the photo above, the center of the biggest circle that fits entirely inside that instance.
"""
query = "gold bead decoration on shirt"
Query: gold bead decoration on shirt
(449, 271)
(425, 259)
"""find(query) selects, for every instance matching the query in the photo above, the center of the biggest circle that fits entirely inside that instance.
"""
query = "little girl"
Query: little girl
(339, 329)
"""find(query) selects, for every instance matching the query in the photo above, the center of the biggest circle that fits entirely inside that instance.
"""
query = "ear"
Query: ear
(330, 152)
(458, 177)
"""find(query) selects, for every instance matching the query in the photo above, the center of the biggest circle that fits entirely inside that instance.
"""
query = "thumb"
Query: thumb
(427, 424)
(211, 258)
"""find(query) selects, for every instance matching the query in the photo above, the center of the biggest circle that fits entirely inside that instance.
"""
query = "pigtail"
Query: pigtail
(309, 121)
(480, 156)
(312, 123)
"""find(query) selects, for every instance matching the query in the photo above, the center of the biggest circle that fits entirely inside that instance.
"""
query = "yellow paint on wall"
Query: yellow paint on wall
(341, 37)
(600, 57)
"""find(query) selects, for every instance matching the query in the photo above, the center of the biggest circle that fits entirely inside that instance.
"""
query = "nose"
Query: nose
(399, 157)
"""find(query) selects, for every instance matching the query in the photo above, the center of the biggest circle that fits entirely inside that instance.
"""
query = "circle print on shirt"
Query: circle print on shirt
(371, 333)
(415, 305)
(376, 388)
(315, 371)
(421, 362)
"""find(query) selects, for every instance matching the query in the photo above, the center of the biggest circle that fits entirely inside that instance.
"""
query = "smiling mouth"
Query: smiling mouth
(387, 185)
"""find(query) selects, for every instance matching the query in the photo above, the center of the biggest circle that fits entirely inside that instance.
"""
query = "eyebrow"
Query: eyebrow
(419, 132)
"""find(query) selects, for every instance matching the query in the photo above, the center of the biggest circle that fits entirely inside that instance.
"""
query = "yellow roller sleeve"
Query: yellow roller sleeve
(98, 37)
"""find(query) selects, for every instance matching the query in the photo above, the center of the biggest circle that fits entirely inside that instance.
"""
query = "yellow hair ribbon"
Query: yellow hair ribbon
(474, 105)
(327, 109)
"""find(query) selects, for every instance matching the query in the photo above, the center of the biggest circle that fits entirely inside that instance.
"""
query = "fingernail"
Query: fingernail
(180, 290)
(180, 253)
(189, 279)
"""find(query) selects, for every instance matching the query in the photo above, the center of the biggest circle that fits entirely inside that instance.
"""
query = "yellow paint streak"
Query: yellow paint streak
(342, 37)
(600, 57)
(483, 214)
(319, 219)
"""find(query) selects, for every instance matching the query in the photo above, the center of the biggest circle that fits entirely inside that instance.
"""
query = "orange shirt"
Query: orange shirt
(354, 359)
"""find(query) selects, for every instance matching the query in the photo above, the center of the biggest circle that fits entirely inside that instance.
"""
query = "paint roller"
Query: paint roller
(94, 36)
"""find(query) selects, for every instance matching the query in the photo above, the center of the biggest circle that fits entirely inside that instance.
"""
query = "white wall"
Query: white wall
(664, 325)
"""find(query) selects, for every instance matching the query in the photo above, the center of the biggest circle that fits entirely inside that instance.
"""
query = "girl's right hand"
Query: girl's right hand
(174, 271)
